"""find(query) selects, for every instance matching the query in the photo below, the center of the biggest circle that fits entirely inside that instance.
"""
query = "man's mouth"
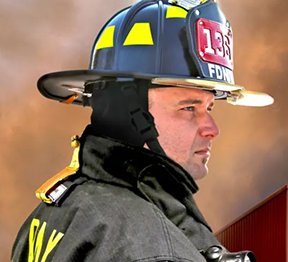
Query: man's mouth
(203, 152)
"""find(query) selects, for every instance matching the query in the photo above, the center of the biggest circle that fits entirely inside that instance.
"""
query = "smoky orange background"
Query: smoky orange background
(249, 159)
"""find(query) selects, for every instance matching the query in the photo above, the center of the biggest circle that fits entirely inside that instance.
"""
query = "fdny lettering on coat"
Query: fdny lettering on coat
(38, 248)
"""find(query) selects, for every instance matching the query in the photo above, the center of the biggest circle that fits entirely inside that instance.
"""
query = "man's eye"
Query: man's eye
(189, 108)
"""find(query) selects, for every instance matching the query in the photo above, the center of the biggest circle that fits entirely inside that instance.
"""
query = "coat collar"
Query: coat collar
(156, 178)
(112, 162)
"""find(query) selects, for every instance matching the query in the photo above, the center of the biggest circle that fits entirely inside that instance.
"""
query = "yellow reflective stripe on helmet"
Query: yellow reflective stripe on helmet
(175, 12)
(140, 34)
(106, 39)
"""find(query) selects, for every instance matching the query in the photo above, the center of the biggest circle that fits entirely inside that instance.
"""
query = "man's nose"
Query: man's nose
(208, 126)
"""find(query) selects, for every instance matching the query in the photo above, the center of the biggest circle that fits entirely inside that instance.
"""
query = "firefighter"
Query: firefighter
(156, 69)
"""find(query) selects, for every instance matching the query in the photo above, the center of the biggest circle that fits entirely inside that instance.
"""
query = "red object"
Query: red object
(263, 230)
(215, 43)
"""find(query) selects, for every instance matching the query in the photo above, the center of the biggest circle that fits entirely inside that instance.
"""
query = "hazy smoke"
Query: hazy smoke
(42, 36)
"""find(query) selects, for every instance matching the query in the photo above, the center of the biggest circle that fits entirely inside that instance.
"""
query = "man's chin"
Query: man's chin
(197, 171)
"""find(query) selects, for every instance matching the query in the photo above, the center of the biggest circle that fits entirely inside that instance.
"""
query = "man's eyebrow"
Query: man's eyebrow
(193, 102)
(190, 101)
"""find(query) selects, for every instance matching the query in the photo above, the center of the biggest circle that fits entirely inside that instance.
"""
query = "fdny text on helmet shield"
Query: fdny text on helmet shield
(220, 73)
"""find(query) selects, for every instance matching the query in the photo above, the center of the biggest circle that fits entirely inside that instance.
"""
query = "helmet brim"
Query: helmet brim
(233, 94)
(69, 86)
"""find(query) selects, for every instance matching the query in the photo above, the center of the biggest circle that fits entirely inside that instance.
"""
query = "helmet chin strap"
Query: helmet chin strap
(155, 146)
(120, 111)
(142, 119)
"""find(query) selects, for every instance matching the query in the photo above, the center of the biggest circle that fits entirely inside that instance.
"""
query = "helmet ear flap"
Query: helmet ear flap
(120, 111)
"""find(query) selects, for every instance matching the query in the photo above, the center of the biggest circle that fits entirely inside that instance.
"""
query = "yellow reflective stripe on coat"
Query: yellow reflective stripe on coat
(140, 34)
(107, 38)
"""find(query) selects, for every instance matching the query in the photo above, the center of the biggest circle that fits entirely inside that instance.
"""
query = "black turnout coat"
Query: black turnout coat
(124, 204)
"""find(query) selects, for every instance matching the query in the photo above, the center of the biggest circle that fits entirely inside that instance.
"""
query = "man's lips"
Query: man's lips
(204, 152)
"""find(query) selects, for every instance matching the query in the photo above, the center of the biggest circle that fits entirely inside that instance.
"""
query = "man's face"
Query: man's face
(185, 126)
